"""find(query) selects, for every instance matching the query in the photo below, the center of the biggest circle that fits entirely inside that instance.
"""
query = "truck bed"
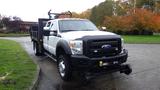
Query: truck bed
(36, 30)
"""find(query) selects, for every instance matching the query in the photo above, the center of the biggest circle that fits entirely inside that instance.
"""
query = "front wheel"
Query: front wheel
(64, 67)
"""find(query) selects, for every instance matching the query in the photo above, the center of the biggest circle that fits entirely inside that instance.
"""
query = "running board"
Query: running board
(50, 56)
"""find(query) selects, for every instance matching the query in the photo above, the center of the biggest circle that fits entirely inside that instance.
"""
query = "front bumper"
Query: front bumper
(84, 63)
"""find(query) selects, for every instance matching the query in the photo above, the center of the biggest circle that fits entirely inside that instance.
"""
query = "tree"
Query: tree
(6, 21)
(157, 6)
(15, 18)
(123, 7)
(119, 23)
(86, 14)
(15, 24)
(75, 15)
(147, 4)
(1, 24)
(154, 23)
(140, 22)
(99, 12)
(12, 24)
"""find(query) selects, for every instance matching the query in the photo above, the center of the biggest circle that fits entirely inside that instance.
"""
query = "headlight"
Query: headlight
(122, 43)
(76, 46)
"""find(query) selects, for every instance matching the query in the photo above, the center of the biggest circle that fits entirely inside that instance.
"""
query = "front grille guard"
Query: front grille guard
(90, 45)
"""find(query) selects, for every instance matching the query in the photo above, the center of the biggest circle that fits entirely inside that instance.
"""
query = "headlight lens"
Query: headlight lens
(122, 43)
(76, 46)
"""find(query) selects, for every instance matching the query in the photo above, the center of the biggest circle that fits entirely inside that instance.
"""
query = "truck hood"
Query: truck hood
(79, 34)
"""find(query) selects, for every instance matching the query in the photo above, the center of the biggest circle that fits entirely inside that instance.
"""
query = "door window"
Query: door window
(54, 26)
(48, 24)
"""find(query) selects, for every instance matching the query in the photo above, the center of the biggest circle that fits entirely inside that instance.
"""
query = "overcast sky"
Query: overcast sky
(30, 10)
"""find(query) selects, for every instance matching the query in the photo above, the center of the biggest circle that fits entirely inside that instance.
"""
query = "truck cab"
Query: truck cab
(78, 45)
(81, 45)
(69, 30)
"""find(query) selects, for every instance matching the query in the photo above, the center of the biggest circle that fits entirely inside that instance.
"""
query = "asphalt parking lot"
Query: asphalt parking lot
(144, 59)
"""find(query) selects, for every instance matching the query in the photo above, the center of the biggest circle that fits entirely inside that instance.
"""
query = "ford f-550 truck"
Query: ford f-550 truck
(78, 45)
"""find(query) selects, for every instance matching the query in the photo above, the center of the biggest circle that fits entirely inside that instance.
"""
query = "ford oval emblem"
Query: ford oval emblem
(107, 46)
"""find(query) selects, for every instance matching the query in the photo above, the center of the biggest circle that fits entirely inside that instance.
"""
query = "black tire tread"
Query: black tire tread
(68, 70)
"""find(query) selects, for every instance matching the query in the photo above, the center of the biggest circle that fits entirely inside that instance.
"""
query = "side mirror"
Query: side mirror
(103, 28)
(45, 28)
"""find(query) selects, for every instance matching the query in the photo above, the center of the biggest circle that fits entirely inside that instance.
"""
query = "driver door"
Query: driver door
(53, 38)
(46, 38)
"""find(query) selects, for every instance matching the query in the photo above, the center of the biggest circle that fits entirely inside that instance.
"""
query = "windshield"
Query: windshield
(76, 25)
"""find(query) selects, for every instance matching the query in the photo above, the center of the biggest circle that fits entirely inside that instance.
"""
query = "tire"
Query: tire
(36, 49)
(128, 70)
(64, 67)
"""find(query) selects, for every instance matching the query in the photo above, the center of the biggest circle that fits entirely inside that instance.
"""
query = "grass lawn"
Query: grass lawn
(17, 70)
(13, 35)
(140, 39)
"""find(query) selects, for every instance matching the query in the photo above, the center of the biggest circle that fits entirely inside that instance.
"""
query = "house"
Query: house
(25, 26)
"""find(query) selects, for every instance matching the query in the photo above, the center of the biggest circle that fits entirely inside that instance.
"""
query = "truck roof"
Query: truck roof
(67, 19)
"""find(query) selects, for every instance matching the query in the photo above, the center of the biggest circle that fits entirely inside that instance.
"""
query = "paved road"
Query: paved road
(144, 59)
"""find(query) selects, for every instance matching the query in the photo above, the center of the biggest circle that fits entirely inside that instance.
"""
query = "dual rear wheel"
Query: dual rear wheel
(36, 49)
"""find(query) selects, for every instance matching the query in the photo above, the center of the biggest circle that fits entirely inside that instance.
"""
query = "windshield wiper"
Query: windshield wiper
(68, 30)
(88, 30)
(77, 30)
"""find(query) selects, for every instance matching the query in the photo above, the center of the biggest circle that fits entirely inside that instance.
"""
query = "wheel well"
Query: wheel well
(59, 51)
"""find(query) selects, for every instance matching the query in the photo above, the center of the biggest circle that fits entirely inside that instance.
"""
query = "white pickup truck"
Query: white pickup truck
(78, 45)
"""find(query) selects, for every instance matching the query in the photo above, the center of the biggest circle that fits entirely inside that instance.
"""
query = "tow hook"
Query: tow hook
(126, 69)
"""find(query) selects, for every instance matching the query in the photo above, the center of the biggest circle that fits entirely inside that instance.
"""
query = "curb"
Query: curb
(36, 80)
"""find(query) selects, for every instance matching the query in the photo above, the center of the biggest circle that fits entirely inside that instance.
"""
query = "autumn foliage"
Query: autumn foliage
(139, 21)
(154, 23)
(119, 23)
(86, 14)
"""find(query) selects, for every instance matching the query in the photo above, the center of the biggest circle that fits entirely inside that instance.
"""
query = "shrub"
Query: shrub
(119, 24)
(154, 23)
(140, 22)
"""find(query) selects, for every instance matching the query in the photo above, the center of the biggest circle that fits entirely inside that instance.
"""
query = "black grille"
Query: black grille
(94, 48)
